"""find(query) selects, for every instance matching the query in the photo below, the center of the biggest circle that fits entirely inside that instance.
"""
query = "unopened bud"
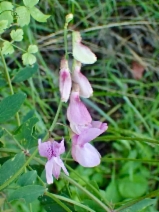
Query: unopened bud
(65, 81)
(69, 17)
(85, 88)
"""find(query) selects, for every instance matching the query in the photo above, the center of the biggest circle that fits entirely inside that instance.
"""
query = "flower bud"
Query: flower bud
(69, 17)
(85, 87)
(65, 81)
(81, 52)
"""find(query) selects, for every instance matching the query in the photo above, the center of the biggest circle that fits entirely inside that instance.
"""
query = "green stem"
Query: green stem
(18, 144)
(9, 150)
(9, 82)
(69, 201)
(109, 138)
(95, 199)
(30, 207)
(65, 41)
(150, 195)
(58, 201)
(55, 120)
(14, 45)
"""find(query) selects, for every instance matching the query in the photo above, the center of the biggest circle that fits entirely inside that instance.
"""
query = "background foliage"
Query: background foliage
(124, 36)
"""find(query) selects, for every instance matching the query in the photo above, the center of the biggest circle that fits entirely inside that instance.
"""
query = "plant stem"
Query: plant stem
(127, 205)
(86, 192)
(68, 200)
(30, 207)
(65, 40)
(9, 82)
(17, 142)
(55, 120)
(9, 150)
(58, 201)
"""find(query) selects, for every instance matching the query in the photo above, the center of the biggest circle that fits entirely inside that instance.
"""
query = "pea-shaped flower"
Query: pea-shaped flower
(82, 151)
(81, 52)
(52, 151)
(77, 113)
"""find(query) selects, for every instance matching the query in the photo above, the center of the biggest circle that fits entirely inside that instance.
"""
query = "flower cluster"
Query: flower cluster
(83, 128)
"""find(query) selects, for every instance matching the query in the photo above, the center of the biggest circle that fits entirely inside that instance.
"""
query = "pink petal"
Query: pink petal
(49, 168)
(56, 168)
(86, 156)
(91, 133)
(60, 163)
(78, 128)
(45, 149)
(77, 112)
(65, 81)
(100, 125)
(85, 87)
(58, 148)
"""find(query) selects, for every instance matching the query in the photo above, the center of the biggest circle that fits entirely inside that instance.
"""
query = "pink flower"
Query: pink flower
(52, 151)
(81, 52)
(85, 87)
(65, 81)
(83, 152)
(77, 113)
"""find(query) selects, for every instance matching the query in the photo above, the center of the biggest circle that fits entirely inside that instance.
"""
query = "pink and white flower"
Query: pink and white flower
(52, 151)
(77, 113)
(65, 81)
(83, 152)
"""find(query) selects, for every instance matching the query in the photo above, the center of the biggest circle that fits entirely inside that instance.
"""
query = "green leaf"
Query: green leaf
(32, 49)
(7, 48)
(137, 207)
(3, 25)
(29, 115)
(38, 15)
(28, 59)
(133, 188)
(25, 133)
(30, 3)
(17, 35)
(28, 193)
(4, 159)
(23, 16)
(10, 167)
(5, 14)
(2, 82)
(25, 73)
(10, 106)
(112, 194)
(91, 204)
(27, 178)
